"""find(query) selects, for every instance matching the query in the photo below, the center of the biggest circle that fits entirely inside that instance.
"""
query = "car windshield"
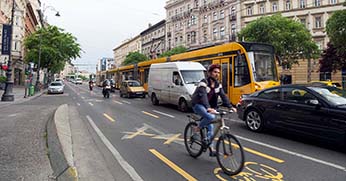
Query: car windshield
(330, 96)
(192, 76)
(55, 84)
(263, 65)
(134, 84)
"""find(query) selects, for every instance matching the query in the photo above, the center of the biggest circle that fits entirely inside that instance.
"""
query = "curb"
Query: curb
(60, 146)
(24, 99)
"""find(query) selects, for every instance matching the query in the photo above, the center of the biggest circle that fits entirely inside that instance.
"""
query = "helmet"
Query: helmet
(213, 66)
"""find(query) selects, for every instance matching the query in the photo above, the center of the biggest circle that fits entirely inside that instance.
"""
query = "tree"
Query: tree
(331, 60)
(176, 50)
(57, 47)
(134, 57)
(336, 30)
(291, 39)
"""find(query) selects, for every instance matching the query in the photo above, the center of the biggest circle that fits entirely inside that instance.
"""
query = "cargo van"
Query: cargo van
(174, 83)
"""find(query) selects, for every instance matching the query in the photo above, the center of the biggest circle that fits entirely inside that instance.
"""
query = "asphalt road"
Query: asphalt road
(147, 142)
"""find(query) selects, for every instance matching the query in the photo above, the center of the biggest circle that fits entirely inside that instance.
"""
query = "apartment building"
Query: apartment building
(121, 51)
(153, 40)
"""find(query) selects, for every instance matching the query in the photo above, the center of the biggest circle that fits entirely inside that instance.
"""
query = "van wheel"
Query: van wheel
(154, 100)
(183, 105)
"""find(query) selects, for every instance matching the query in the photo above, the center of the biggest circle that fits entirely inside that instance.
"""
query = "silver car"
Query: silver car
(56, 87)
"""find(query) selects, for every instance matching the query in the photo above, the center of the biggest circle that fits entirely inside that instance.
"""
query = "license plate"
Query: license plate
(138, 93)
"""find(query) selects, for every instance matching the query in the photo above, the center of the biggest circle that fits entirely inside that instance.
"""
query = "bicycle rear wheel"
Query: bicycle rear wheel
(230, 154)
(192, 140)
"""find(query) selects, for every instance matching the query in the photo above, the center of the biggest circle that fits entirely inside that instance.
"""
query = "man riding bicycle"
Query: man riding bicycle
(204, 100)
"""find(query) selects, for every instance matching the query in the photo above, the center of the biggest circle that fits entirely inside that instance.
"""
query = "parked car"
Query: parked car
(332, 89)
(131, 88)
(306, 110)
(174, 82)
(56, 87)
(79, 81)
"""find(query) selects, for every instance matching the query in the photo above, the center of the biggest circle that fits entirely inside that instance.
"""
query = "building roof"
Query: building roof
(162, 22)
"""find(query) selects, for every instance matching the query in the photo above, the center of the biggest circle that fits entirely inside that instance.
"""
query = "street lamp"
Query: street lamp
(8, 96)
(41, 15)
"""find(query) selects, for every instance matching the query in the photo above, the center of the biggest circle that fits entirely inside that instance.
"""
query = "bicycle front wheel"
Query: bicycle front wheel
(192, 140)
(230, 154)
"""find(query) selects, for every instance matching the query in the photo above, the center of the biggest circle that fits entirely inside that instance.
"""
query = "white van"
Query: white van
(174, 82)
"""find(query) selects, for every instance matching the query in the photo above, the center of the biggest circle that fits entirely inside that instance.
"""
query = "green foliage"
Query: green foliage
(57, 47)
(176, 50)
(336, 30)
(83, 77)
(134, 57)
(291, 39)
(2, 79)
(331, 61)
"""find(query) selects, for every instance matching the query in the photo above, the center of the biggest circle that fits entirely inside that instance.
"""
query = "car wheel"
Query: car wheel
(254, 120)
(154, 100)
(183, 105)
(143, 96)
(121, 95)
(128, 95)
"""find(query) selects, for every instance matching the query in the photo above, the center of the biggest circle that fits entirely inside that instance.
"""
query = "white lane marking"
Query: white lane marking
(117, 102)
(161, 133)
(164, 114)
(78, 104)
(294, 153)
(83, 97)
(12, 115)
(127, 102)
(126, 166)
(91, 104)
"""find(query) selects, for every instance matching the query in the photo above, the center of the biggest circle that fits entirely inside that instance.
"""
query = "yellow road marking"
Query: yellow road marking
(171, 139)
(108, 117)
(257, 153)
(139, 132)
(152, 115)
(172, 165)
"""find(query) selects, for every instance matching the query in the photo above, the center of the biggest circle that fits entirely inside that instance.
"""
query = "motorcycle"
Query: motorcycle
(106, 91)
(91, 87)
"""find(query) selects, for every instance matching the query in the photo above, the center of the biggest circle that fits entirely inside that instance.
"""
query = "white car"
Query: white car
(79, 81)
(56, 87)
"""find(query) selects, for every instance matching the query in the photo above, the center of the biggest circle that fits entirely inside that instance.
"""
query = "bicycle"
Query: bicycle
(227, 145)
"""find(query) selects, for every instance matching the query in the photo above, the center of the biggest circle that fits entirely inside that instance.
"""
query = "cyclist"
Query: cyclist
(204, 100)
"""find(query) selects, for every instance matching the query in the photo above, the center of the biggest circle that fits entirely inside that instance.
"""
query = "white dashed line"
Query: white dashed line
(164, 114)
(91, 104)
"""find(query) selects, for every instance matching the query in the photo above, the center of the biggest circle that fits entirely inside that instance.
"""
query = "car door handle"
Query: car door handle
(278, 105)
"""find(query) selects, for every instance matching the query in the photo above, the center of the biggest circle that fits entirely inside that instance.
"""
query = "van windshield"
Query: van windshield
(192, 76)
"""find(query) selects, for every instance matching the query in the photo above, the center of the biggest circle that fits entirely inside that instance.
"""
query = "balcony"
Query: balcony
(232, 17)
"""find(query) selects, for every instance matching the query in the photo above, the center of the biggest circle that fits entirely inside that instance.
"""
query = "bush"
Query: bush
(2, 79)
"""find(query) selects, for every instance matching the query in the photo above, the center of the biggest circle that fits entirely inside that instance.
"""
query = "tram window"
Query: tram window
(224, 77)
(146, 75)
(205, 63)
(230, 72)
(241, 71)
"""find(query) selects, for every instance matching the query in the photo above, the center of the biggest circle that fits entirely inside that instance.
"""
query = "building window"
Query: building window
(205, 36)
(332, 1)
(181, 39)
(303, 21)
(302, 4)
(317, 3)
(233, 28)
(215, 33)
(193, 37)
(232, 11)
(222, 32)
(222, 14)
(205, 19)
(318, 22)
(193, 20)
(288, 5)
(249, 10)
(275, 6)
(215, 16)
(262, 8)
(188, 38)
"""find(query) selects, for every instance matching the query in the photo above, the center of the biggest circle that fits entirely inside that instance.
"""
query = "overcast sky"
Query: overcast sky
(101, 25)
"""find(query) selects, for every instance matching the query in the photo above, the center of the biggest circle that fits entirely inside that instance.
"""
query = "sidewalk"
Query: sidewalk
(18, 93)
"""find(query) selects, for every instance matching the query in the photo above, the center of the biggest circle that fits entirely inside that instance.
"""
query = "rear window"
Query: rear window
(270, 94)
(56, 84)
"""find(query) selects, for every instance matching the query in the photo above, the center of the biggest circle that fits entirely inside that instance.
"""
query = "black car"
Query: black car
(308, 110)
